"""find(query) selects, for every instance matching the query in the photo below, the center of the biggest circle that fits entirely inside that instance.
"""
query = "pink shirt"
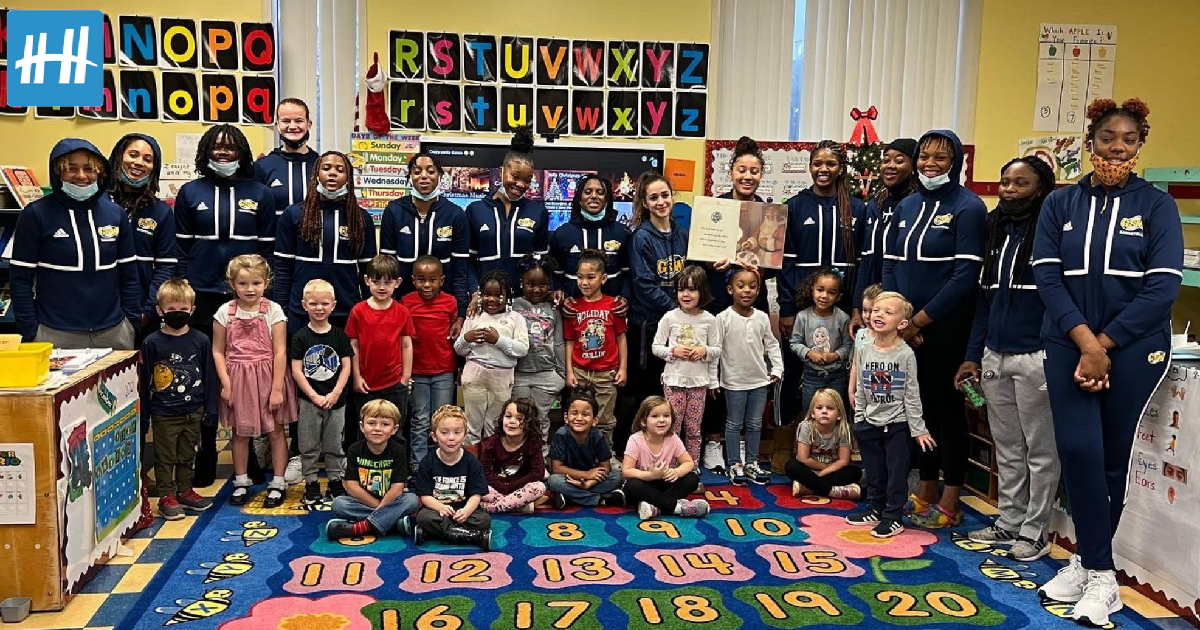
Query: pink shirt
(672, 448)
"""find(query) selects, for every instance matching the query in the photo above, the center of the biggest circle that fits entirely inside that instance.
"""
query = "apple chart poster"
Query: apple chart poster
(1076, 64)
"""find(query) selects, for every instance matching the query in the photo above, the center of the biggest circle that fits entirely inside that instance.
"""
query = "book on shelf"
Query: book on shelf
(22, 184)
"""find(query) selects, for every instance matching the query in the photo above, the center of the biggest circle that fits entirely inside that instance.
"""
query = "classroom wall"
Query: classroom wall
(1156, 43)
(664, 20)
(28, 140)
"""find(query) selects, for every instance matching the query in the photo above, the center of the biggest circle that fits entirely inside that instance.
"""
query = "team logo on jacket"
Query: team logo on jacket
(445, 232)
(108, 232)
(147, 225)
(669, 266)
(344, 232)
(526, 224)
(1132, 226)
(247, 205)
(61, 233)
(942, 220)
(612, 246)
(1155, 358)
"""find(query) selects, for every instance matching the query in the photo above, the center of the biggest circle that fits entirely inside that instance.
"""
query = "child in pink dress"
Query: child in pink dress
(257, 392)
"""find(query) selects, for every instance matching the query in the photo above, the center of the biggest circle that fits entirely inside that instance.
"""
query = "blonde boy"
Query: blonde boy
(375, 502)
(451, 483)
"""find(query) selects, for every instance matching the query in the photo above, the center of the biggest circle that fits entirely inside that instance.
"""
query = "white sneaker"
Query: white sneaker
(293, 474)
(712, 458)
(1067, 585)
(1101, 598)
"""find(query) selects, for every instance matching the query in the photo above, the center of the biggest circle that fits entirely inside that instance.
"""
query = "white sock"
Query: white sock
(242, 481)
(277, 483)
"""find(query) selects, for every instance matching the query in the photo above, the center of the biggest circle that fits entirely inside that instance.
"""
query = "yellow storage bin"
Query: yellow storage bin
(27, 366)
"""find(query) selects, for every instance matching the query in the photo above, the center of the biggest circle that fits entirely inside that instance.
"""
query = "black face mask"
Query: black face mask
(1017, 209)
(177, 319)
(294, 144)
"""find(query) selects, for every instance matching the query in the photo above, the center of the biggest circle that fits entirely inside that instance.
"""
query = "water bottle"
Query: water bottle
(971, 389)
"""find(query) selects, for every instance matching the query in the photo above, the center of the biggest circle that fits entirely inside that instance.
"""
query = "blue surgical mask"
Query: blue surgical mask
(132, 183)
(332, 194)
(433, 194)
(80, 193)
(224, 169)
(593, 217)
(934, 183)
(504, 194)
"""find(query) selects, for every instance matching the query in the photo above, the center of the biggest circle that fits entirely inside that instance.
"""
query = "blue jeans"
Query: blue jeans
(814, 379)
(429, 392)
(744, 409)
(580, 496)
(382, 518)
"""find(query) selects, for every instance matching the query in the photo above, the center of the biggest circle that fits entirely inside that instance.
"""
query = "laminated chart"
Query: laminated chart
(1076, 64)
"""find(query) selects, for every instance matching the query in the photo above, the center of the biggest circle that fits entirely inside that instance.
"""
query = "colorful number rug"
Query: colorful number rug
(761, 559)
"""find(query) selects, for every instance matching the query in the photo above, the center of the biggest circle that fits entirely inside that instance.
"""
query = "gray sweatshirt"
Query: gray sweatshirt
(887, 391)
(825, 334)
(545, 338)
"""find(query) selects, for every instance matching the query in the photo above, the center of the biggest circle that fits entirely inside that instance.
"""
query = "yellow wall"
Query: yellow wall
(663, 20)
(1156, 42)
(27, 140)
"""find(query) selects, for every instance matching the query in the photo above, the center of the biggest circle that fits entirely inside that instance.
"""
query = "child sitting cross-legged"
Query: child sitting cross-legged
(512, 460)
(451, 485)
(580, 457)
(659, 472)
(376, 468)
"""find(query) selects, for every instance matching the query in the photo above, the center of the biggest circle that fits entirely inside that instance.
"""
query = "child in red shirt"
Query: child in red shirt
(380, 331)
(433, 358)
(595, 340)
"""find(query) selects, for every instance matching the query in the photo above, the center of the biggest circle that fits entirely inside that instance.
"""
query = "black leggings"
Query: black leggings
(659, 493)
(938, 359)
(819, 484)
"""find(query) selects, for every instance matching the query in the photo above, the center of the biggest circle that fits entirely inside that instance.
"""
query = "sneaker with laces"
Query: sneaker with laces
(993, 535)
(646, 511)
(1101, 598)
(193, 501)
(560, 501)
(169, 508)
(868, 516)
(1028, 549)
(312, 493)
(334, 489)
(294, 473)
(616, 498)
(737, 474)
(887, 528)
(338, 528)
(1067, 585)
(850, 491)
(694, 508)
(712, 458)
(757, 475)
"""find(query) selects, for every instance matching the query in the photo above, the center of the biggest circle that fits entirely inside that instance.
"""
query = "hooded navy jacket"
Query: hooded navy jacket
(1008, 317)
(875, 233)
(297, 261)
(814, 239)
(153, 232)
(217, 219)
(286, 175)
(1111, 260)
(607, 235)
(934, 250)
(80, 256)
(499, 242)
(443, 234)
(655, 258)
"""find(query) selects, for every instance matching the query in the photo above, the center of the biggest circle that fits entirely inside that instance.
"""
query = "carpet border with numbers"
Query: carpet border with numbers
(775, 581)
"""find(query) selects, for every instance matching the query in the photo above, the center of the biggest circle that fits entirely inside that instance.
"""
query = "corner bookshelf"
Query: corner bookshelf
(981, 478)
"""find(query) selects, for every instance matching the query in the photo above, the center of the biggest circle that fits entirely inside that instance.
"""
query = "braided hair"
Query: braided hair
(500, 277)
(133, 200)
(998, 221)
(845, 210)
(311, 219)
(234, 136)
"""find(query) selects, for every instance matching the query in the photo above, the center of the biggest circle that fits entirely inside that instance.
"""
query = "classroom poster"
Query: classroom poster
(18, 502)
(1076, 65)
(1064, 154)
(763, 228)
(381, 168)
(117, 463)
(173, 176)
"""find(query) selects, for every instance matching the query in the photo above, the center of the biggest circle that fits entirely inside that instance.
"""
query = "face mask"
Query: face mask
(224, 169)
(934, 183)
(1112, 174)
(1016, 209)
(294, 144)
(80, 193)
(504, 193)
(433, 194)
(133, 183)
(177, 319)
(593, 217)
(332, 194)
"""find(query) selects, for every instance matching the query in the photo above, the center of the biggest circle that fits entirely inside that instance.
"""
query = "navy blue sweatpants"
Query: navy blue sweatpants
(885, 455)
(1094, 434)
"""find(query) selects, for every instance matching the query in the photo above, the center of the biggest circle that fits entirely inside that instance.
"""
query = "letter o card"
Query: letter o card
(180, 97)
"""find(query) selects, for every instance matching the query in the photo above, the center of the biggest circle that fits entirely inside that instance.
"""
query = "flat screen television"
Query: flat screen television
(472, 170)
